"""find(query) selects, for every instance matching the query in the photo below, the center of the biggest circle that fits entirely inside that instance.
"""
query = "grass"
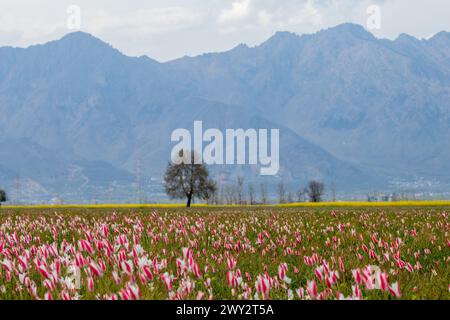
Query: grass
(258, 239)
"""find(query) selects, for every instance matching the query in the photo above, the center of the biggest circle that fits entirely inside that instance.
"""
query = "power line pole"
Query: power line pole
(17, 190)
(139, 180)
(333, 192)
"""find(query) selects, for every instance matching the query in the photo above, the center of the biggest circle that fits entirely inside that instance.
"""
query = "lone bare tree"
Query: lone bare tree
(188, 179)
(214, 198)
(301, 194)
(290, 198)
(240, 190)
(315, 191)
(3, 196)
(228, 194)
(251, 194)
(281, 193)
(263, 193)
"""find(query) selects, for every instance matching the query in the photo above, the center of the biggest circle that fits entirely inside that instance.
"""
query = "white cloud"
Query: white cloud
(308, 14)
(264, 18)
(166, 29)
(239, 10)
(246, 15)
(146, 21)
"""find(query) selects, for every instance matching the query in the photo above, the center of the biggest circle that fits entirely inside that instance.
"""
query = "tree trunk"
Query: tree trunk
(189, 202)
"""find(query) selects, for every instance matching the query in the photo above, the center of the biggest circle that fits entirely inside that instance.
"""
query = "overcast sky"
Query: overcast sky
(168, 29)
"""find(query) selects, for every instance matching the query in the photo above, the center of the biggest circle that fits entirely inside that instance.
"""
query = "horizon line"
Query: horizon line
(324, 29)
(338, 204)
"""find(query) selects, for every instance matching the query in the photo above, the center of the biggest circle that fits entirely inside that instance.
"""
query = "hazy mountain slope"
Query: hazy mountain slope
(354, 110)
(52, 172)
(80, 111)
(380, 102)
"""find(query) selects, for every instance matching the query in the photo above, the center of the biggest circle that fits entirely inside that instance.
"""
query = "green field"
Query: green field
(225, 253)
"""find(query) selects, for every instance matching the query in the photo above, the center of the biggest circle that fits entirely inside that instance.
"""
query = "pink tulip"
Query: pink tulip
(90, 284)
(167, 280)
(95, 269)
(395, 290)
(312, 289)
(48, 296)
(382, 280)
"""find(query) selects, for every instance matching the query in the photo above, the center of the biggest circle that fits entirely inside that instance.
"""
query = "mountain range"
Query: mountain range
(81, 121)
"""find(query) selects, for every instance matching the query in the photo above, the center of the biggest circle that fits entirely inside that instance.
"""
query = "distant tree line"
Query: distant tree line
(188, 180)
(236, 193)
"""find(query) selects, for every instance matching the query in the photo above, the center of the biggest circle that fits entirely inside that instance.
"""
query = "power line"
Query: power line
(139, 180)
(17, 189)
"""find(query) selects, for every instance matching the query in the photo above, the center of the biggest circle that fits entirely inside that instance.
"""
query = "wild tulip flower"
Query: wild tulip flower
(394, 289)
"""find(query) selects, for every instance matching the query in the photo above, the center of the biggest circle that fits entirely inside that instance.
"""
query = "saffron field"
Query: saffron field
(225, 253)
